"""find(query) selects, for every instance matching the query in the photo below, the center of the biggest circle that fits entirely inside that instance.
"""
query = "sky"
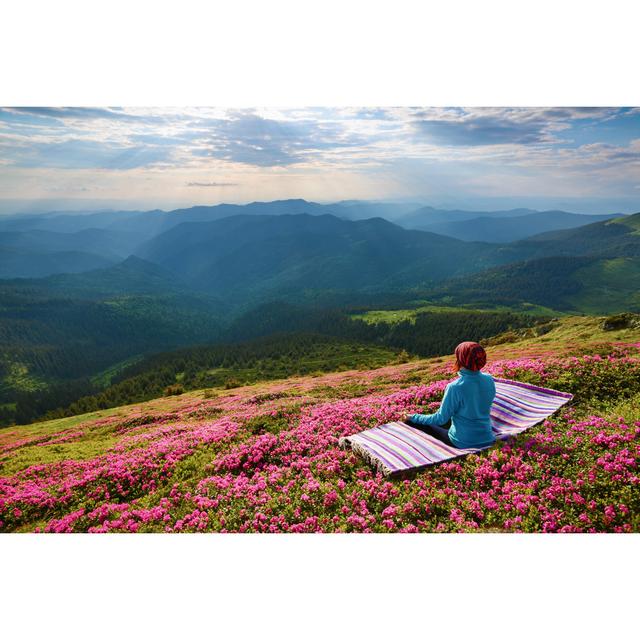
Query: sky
(578, 159)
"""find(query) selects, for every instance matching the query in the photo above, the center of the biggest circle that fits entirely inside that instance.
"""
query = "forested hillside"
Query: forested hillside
(585, 284)
(274, 341)
(509, 229)
(208, 275)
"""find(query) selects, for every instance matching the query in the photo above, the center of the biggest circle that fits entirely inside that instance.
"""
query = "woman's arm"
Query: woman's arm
(443, 415)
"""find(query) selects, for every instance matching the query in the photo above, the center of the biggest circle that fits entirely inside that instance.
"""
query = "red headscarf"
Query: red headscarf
(471, 355)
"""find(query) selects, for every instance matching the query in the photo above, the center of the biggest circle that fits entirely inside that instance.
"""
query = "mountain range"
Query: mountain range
(269, 256)
(252, 256)
(301, 253)
(502, 228)
(83, 295)
(41, 245)
(238, 261)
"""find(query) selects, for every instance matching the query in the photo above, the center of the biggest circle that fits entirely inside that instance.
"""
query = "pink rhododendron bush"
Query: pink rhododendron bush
(252, 460)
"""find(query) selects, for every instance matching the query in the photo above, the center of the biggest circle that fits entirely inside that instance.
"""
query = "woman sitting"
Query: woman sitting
(466, 403)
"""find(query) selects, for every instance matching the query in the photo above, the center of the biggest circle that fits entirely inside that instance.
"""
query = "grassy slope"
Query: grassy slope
(610, 286)
(631, 222)
(571, 335)
(394, 316)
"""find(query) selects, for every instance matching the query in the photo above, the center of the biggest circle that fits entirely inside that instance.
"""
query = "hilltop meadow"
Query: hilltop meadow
(264, 457)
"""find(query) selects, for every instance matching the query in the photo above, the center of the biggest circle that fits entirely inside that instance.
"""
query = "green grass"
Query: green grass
(95, 441)
(395, 316)
(90, 446)
(61, 424)
(627, 408)
(631, 222)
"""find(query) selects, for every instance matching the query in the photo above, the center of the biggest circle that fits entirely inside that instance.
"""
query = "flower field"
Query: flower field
(264, 458)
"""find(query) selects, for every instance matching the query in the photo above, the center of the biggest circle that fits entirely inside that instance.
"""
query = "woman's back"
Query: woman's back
(467, 402)
(471, 421)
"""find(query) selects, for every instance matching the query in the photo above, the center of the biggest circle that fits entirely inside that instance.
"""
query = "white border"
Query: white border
(319, 586)
(334, 52)
(318, 53)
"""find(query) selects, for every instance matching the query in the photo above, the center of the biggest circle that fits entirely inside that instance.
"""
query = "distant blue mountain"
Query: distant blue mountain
(361, 209)
(33, 263)
(59, 242)
(111, 244)
(245, 256)
(513, 227)
(428, 216)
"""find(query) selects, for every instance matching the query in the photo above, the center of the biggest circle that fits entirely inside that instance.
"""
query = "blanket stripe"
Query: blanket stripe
(396, 447)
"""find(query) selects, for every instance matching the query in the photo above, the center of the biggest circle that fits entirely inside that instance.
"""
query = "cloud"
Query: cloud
(328, 148)
(248, 138)
(90, 113)
(480, 131)
(503, 126)
(86, 154)
(577, 113)
(67, 189)
(459, 127)
(374, 113)
(212, 184)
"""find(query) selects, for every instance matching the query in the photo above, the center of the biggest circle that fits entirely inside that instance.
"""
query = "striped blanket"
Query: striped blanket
(396, 447)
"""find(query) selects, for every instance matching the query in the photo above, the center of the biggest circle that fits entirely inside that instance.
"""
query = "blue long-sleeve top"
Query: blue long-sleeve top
(466, 402)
